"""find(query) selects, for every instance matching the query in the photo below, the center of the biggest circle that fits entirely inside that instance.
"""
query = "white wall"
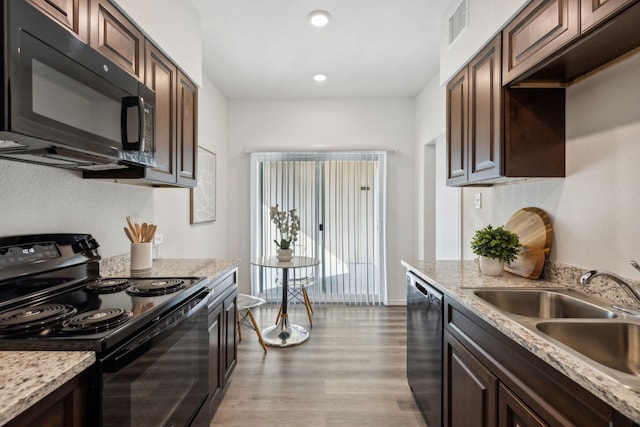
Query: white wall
(438, 209)
(41, 199)
(171, 205)
(174, 26)
(486, 18)
(594, 210)
(326, 124)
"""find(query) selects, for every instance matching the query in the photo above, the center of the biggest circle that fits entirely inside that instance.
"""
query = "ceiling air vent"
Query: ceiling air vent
(459, 20)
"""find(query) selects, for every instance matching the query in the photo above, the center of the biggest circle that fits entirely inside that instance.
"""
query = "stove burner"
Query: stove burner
(156, 287)
(34, 318)
(96, 321)
(107, 286)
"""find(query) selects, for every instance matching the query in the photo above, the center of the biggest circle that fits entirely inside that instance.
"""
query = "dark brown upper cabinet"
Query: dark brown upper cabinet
(496, 133)
(457, 128)
(162, 77)
(474, 119)
(542, 28)
(485, 114)
(554, 43)
(592, 12)
(117, 38)
(187, 131)
(71, 14)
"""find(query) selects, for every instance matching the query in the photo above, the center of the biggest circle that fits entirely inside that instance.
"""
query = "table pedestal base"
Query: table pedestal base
(284, 334)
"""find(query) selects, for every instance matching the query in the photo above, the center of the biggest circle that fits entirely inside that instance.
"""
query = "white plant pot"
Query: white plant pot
(285, 255)
(491, 267)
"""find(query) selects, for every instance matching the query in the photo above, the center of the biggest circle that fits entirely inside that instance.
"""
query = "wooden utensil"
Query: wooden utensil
(151, 232)
(533, 227)
(129, 235)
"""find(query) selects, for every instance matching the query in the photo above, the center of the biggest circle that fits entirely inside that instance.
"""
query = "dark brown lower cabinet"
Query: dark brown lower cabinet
(223, 342)
(469, 388)
(64, 407)
(514, 413)
(489, 380)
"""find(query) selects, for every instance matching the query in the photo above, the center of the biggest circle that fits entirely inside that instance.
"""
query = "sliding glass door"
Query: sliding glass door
(340, 199)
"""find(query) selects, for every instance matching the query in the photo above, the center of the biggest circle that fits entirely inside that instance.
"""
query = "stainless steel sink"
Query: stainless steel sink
(613, 344)
(543, 304)
(588, 327)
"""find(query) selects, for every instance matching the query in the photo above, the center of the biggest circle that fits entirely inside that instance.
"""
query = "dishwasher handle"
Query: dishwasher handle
(426, 289)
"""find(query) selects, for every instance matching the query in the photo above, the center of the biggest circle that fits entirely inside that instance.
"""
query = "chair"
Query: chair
(298, 291)
(245, 304)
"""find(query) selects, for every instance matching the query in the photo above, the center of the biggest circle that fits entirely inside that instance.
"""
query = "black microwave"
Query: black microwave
(66, 105)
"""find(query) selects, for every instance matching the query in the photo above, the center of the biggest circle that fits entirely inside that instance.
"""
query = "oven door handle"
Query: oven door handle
(141, 344)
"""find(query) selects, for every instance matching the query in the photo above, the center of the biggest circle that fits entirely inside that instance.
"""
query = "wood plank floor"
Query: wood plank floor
(351, 372)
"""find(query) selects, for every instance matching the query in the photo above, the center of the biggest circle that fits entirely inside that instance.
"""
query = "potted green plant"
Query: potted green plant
(495, 247)
(288, 224)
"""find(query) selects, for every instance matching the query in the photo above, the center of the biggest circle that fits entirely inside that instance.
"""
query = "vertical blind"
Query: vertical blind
(340, 199)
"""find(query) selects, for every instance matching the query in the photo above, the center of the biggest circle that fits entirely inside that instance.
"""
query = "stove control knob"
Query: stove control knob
(85, 245)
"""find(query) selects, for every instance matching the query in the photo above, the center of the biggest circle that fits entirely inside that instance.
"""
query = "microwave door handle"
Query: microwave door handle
(129, 102)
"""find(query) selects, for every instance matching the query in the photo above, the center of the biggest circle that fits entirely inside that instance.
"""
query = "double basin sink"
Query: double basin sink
(598, 334)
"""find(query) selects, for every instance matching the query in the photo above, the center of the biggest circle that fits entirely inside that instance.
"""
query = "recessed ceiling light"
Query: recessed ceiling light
(320, 77)
(319, 18)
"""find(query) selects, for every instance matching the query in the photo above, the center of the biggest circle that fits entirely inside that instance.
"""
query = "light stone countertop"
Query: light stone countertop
(174, 267)
(28, 376)
(452, 277)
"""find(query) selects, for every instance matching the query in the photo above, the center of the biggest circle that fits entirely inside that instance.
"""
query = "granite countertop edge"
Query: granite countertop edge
(453, 277)
(29, 376)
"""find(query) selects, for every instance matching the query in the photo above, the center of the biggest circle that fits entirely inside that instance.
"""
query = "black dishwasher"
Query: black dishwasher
(424, 347)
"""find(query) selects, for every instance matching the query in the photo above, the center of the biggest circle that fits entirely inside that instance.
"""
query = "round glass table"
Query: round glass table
(285, 334)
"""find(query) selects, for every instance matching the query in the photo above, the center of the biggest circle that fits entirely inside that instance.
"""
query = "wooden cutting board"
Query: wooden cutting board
(533, 227)
(529, 263)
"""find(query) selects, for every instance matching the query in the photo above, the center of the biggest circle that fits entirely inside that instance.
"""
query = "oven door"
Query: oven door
(160, 378)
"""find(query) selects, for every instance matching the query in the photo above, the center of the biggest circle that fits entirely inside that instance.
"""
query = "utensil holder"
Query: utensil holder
(141, 257)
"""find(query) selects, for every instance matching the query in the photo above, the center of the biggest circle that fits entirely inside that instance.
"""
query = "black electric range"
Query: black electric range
(58, 300)
(145, 331)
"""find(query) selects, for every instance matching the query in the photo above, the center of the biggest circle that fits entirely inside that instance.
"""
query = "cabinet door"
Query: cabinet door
(66, 406)
(485, 114)
(541, 29)
(71, 14)
(113, 35)
(216, 341)
(512, 412)
(162, 78)
(457, 128)
(187, 131)
(230, 332)
(469, 389)
(593, 12)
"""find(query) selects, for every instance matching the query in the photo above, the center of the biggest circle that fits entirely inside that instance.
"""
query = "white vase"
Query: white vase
(491, 267)
(285, 255)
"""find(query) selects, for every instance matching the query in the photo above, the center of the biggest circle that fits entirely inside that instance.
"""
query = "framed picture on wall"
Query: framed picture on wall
(203, 197)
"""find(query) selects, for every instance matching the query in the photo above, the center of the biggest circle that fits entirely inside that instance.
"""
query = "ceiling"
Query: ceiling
(370, 48)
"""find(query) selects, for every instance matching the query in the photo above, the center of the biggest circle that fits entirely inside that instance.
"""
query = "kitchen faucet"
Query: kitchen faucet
(586, 279)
